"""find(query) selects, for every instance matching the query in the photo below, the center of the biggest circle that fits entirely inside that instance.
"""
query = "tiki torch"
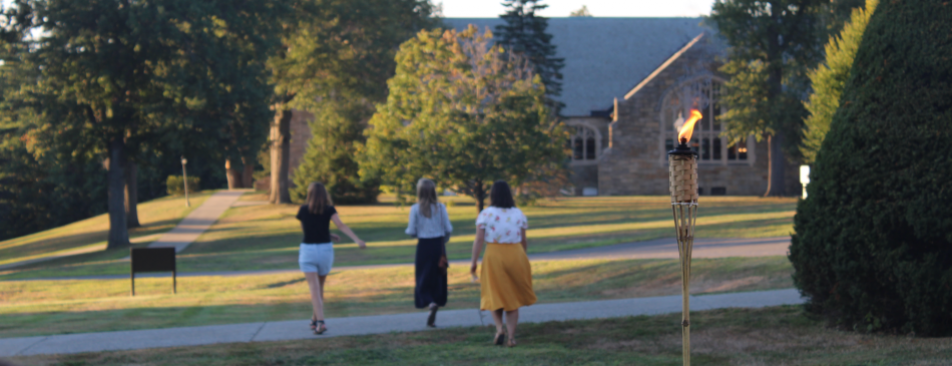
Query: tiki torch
(683, 179)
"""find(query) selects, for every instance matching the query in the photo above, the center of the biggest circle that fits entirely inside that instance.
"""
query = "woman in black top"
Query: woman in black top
(316, 256)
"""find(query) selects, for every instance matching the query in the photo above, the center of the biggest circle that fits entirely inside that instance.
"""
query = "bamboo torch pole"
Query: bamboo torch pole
(684, 195)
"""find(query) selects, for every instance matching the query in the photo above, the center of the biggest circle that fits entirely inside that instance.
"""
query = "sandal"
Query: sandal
(499, 339)
(511, 343)
(313, 325)
(431, 320)
(319, 327)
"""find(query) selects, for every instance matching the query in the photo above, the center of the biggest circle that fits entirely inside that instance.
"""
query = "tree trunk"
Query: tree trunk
(775, 176)
(233, 175)
(118, 231)
(776, 167)
(247, 174)
(280, 156)
(132, 194)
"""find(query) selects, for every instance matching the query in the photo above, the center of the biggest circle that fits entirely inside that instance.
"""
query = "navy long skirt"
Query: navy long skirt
(430, 279)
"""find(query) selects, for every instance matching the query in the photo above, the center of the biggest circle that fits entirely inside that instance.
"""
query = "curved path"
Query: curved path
(198, 221)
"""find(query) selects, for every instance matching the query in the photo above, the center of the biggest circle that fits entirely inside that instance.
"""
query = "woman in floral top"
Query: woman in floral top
(506, 283)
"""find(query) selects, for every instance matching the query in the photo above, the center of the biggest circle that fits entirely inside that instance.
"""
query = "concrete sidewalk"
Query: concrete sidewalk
(362, 325)
(659, 248)
(198, 221)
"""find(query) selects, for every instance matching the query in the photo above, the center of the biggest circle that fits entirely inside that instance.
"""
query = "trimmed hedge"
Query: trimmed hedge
(175, 187)
(873, 244)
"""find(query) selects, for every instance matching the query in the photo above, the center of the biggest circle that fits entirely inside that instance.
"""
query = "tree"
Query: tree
(337, 131)
(123, 72)
(873, 244)
(771, 43)
(525, 35)
(829, 78)
(335, 46)
(583, 13)
(462, 113)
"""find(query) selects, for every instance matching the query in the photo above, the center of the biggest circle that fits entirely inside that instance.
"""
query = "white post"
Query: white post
(185, 181)
(804, 178)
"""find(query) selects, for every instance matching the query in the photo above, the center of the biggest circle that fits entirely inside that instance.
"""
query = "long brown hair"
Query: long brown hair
(426, 196)
(317, 198)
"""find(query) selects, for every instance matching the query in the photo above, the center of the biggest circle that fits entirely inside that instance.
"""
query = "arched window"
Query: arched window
(702, 94)
(584, 144)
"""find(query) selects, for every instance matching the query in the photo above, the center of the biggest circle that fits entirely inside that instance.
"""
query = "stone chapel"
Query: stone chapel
(625, 83)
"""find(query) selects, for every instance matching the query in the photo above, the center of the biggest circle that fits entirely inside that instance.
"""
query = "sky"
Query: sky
(598, 8)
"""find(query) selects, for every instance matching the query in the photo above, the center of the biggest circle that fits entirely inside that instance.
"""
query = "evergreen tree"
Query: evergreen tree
(829, 78)
(524, 34)
(873, 244)
(335, 47)
(337, 130)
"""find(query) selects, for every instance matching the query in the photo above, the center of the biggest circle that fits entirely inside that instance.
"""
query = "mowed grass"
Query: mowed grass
(776, 336)
(89, 235)
(267, 237)
(44, 307)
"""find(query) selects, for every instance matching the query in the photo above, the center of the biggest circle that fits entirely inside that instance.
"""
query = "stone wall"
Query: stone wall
(636, 165)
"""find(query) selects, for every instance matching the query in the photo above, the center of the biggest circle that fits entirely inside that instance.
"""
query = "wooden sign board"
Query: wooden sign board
(152, 260)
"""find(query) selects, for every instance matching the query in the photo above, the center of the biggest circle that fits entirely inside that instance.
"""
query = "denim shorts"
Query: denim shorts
(316, 258)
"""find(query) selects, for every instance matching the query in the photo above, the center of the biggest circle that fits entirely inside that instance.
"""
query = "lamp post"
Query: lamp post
(684, 193)
(185, 181)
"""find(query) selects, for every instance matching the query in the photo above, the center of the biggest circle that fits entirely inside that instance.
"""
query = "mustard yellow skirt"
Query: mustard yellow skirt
(506, 278)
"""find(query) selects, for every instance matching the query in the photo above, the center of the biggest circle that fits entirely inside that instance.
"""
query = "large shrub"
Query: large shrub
(175, 186)
(873, 243)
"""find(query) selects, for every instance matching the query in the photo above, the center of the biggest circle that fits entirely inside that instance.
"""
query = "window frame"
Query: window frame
(703, 91)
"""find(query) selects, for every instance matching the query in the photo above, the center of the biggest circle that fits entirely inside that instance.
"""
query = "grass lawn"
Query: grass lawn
(267, 237)
(44, 307)
(156, 216)
(770, 336)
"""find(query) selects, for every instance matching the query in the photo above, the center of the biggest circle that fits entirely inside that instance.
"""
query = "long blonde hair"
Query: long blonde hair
(317, 198)
(426, 196)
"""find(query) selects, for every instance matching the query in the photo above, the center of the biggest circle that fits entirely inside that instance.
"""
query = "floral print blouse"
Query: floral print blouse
(502, 225)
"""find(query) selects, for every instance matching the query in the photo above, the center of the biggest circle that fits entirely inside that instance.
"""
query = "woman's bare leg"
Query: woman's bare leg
(497, 318)
(321, 280)
(512, 319)
(317, 294)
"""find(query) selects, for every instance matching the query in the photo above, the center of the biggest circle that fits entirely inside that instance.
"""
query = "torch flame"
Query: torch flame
(688, 128)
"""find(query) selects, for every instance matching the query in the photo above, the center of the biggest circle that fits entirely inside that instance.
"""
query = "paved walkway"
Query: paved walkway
(180, 237)
(362, 325)
(659, 248)
(199, 220)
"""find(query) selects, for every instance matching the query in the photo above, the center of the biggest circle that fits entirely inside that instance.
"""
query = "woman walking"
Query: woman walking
(317, 251)
(506, 283)
(430, 224)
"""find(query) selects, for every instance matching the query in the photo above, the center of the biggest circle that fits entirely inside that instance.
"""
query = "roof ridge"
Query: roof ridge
(664, 65)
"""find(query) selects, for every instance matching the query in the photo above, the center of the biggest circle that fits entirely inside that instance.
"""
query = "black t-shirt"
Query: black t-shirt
(316, 226)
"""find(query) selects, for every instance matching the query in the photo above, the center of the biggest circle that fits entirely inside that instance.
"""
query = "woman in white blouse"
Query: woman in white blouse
(430, 224)
(506, 277)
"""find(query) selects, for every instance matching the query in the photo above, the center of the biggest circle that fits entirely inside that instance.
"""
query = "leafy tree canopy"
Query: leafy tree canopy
(119, 76)
(461, 114)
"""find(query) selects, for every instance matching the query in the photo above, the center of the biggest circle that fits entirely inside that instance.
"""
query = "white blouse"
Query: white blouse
(502, 225)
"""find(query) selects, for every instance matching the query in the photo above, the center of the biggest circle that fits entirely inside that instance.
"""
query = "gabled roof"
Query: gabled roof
(606, 57)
